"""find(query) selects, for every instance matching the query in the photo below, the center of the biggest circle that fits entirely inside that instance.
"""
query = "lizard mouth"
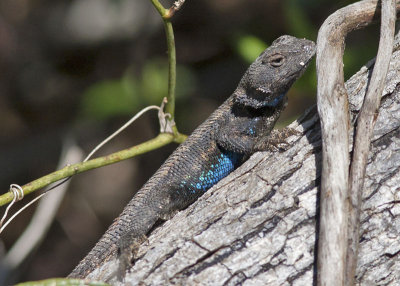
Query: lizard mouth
(263, 90)
(268, 100)
(259, 98)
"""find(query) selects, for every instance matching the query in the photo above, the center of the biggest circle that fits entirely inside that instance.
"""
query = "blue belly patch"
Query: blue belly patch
(224, 164)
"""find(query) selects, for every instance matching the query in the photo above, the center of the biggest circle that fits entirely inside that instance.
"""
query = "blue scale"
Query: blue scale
(225, 164)
(275, 101)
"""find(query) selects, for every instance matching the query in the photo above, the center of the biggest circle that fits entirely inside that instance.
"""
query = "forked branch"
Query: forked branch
(334, 114)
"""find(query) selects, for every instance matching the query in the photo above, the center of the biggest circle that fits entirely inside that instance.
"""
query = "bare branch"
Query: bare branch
(334, 113)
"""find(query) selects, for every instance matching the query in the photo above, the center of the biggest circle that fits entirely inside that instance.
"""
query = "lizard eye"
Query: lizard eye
(277, 60)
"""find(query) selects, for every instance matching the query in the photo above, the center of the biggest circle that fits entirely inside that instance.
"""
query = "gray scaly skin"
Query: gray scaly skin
(241, 126)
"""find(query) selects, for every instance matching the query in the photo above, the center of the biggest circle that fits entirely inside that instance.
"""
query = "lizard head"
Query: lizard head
(268, 79)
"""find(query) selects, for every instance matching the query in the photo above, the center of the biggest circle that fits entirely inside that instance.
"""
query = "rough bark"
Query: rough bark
(258, 225)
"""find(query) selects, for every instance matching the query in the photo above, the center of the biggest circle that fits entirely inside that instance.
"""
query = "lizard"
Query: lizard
(242, 125)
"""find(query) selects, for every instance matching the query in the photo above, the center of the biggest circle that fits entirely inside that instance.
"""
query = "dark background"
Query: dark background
(80, 69)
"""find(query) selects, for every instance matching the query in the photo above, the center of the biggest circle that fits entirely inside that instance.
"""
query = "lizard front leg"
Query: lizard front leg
(236, 142)
(239, 134)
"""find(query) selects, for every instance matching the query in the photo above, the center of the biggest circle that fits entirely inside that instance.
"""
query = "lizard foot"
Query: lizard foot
(128, 246)
(276, 140)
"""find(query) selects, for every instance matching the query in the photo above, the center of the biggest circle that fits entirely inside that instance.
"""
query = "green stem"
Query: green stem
(169, 31)
(163, 12)
(157, 142)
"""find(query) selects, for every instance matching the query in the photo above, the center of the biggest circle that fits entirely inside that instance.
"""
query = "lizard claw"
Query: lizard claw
(276, 140)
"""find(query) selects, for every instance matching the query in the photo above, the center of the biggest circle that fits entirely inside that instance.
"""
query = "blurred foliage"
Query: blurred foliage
(130, 93)
(297, 20)
(249, 47)
(358, 53)
(110, 97)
